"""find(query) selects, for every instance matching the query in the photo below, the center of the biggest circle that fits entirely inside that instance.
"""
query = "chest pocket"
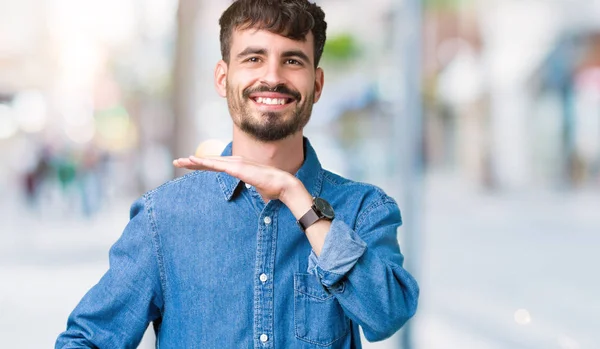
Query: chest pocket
(318, 316)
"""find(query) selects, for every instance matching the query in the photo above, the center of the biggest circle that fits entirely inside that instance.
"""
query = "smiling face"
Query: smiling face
(270, 83)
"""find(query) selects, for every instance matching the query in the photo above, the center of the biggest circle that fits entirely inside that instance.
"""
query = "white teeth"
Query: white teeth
(270, 101)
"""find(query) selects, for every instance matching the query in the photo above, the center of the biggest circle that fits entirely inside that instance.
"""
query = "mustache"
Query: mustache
(281, 88)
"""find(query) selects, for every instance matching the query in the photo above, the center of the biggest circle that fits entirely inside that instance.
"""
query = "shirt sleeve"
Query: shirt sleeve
(362, 268)
(116, 312)
(340, 252)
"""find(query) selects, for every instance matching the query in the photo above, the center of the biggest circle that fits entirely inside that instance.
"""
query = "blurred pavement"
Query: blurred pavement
(509, 270)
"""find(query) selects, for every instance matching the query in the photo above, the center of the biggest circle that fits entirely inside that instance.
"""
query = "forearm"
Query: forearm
(381, 297)
(366, 274)
(73, 340)
(116, 311)
(113, 314)
(298, 200)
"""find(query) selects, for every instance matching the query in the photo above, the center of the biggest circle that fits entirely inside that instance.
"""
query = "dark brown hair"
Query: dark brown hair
(290, 18)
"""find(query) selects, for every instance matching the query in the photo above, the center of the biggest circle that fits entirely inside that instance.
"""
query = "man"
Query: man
(261, 247)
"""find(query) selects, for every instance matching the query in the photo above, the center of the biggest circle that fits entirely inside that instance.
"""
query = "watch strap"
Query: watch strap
(309, 218)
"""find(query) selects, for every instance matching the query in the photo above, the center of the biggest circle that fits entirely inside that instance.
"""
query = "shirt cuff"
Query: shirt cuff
(340, 252)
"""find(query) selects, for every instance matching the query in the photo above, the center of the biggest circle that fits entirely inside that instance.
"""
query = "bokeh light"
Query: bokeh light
(8, 124)
(31, 111)
(522, 317)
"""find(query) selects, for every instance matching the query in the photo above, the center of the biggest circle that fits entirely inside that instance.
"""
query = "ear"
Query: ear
(221, 78)
(319, 81)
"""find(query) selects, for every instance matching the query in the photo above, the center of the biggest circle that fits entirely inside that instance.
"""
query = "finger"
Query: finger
(247, 171)
(214, 164)
(179, 163)
(196, 163)
(186, 163)
(235, 166)
(182, 162)
(219, 158)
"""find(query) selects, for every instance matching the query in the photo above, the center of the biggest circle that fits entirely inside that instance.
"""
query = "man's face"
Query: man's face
(270, 83)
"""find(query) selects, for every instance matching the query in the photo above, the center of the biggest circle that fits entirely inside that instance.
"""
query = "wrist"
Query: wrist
(296, 198)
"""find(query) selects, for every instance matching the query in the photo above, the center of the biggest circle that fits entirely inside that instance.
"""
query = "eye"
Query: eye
(253, 60)
(293, 62)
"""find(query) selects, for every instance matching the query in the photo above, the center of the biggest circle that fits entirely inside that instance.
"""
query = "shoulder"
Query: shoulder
(187, 181)
(189, 187)
(358, 199)
(369, 192)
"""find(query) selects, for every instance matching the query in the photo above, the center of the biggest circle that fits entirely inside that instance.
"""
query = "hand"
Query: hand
(272, 183)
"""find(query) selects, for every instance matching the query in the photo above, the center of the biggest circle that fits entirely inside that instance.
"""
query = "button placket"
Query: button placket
(264, 312)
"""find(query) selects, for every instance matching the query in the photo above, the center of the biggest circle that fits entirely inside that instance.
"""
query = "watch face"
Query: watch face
(325, 208)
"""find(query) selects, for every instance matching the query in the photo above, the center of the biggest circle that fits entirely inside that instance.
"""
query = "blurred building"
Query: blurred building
(484, 119)
(567, 89)
(80, 76)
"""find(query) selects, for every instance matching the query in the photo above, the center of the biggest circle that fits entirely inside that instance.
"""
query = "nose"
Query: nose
(272, 74)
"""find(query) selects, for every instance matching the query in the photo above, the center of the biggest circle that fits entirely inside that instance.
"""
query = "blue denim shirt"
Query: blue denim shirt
(212, 265)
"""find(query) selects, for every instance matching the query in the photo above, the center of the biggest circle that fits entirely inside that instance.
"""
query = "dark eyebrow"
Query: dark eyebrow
(252, 51)
(296, 54)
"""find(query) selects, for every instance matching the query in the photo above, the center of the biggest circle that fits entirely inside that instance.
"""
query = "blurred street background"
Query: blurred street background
(482, 117)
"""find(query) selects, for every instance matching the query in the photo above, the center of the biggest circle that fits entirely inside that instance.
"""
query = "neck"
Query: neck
(286, 154)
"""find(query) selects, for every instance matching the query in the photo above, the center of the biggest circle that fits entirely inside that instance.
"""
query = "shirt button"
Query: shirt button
(264, 338)
(248, 186)
(263, 277)
(267, 220)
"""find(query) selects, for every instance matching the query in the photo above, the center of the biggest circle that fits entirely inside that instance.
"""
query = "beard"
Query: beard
(269, 126)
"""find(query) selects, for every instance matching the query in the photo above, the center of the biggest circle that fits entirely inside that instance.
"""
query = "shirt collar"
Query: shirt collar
(310, 173)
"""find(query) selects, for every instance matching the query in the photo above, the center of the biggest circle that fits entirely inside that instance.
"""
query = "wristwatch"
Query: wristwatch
(320, 209)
